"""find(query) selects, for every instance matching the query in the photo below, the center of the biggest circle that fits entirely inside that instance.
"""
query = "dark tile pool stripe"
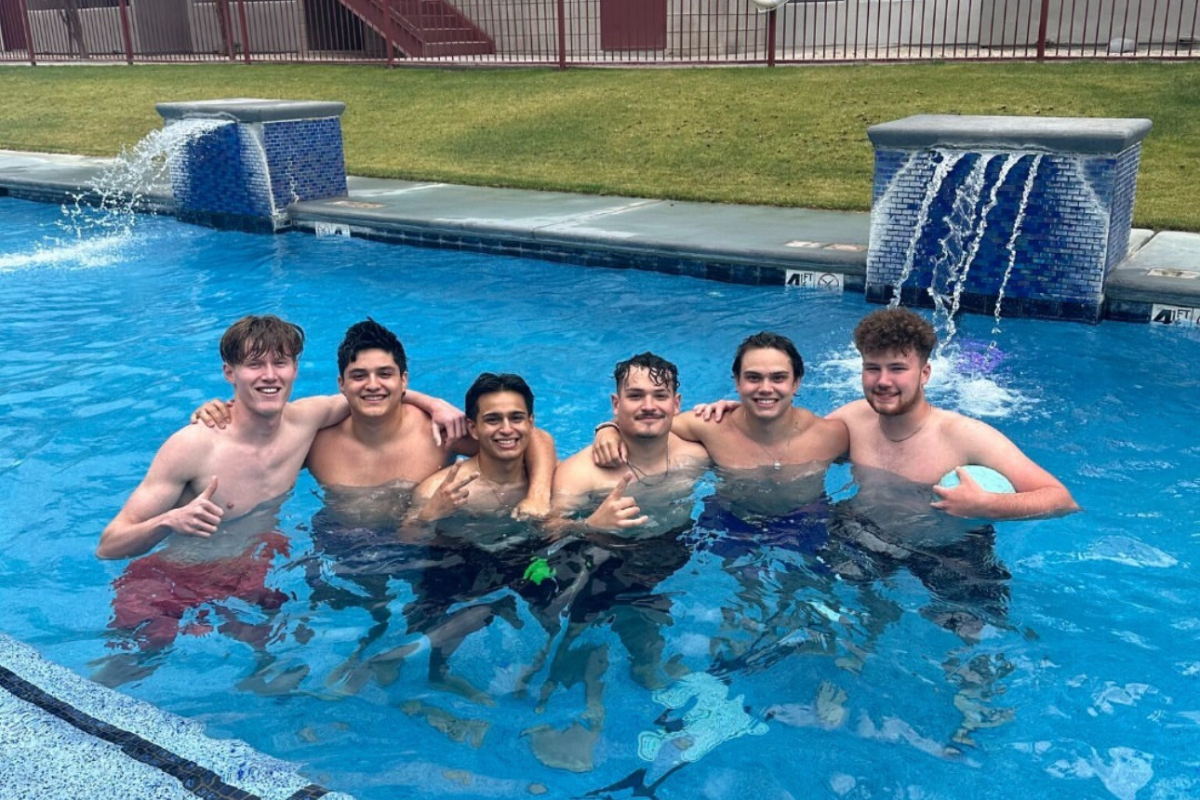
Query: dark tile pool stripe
(194, 778)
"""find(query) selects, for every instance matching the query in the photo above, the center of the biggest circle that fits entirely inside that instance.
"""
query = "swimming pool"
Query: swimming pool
(1082, 684)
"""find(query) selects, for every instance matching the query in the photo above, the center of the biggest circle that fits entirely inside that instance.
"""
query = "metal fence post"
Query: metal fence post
(561, 7)
(1043, 23)
(126, 31)
(389, 33)
(28, 33)
(245, 31)
(223, 22)
(772, 30)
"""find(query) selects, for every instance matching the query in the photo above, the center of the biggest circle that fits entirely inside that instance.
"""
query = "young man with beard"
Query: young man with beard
(633, 538)
(895, 429)
(658, 465)
(765, 430)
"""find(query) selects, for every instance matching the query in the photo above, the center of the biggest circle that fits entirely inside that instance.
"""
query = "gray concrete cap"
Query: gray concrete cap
(249, 109)
(1080, 135)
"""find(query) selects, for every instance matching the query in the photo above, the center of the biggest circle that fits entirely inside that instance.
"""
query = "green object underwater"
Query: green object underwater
(538, 570)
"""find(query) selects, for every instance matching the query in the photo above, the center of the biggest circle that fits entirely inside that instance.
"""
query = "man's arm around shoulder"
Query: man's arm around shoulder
(320, 411)
(153, 512)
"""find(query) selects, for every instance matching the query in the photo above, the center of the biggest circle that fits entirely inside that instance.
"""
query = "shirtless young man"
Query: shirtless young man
(658, 464)
(764, 431)
(380, 446)
(500, 419)
(464, 512)
(385, 442)
(895, 429)
(201, 477)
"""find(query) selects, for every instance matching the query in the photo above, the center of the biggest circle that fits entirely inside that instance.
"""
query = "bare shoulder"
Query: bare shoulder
(967, 432)
(854, 411)
(426, 488)
(577, 474)
(332, 433)
(185, 457)
(692, 451)
(822, 426)
(693, 428)
(191, 443)
(317, 412)
(833, 434)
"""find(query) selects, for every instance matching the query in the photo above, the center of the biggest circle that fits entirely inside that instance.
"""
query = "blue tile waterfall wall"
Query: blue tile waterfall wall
(245, 174)
(964, 216)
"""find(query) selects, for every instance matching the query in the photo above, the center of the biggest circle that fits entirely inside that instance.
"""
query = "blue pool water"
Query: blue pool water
(1083, 681)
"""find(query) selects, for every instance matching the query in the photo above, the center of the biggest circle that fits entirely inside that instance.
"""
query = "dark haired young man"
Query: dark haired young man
(500, 419)
(766, 430)
(658, 463)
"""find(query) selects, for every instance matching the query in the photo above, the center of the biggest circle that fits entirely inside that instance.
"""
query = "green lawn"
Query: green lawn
(789, 136)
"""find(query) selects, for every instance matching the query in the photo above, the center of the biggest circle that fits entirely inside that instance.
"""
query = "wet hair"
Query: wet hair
(369, 335)
(492, 383)
(895, 329)
(256, 336)
(765, 340)
(662, 372)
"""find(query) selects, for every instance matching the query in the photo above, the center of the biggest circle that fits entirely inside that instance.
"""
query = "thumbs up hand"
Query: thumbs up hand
(618, 512)
(201, 516)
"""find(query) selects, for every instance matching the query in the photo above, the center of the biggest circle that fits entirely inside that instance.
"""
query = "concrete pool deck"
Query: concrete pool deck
(764, 245)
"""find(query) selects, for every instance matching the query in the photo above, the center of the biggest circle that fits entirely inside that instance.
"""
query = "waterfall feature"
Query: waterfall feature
(110, 205)
(975, 213)
(246, 174)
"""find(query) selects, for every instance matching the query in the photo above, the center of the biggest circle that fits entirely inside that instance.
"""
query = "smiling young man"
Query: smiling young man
(895, 429)
(500, 419)
(201, 477)
(766, 430)
(658, 466)
(383, 439)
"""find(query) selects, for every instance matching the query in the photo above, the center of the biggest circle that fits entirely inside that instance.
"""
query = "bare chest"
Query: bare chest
(248, 475)
(736, 450)
(919, 459)
(344, 461)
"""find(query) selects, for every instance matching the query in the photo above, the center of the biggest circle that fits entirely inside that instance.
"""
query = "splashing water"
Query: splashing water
(942, 170)
(962, 179)
(98, 222)
(1030, 179)
(964, 378)
(956, 279)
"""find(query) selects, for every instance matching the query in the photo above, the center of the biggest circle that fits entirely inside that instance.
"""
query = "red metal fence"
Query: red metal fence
(593, 32)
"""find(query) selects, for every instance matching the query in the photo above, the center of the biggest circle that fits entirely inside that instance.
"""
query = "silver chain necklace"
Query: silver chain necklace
(640, 473)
